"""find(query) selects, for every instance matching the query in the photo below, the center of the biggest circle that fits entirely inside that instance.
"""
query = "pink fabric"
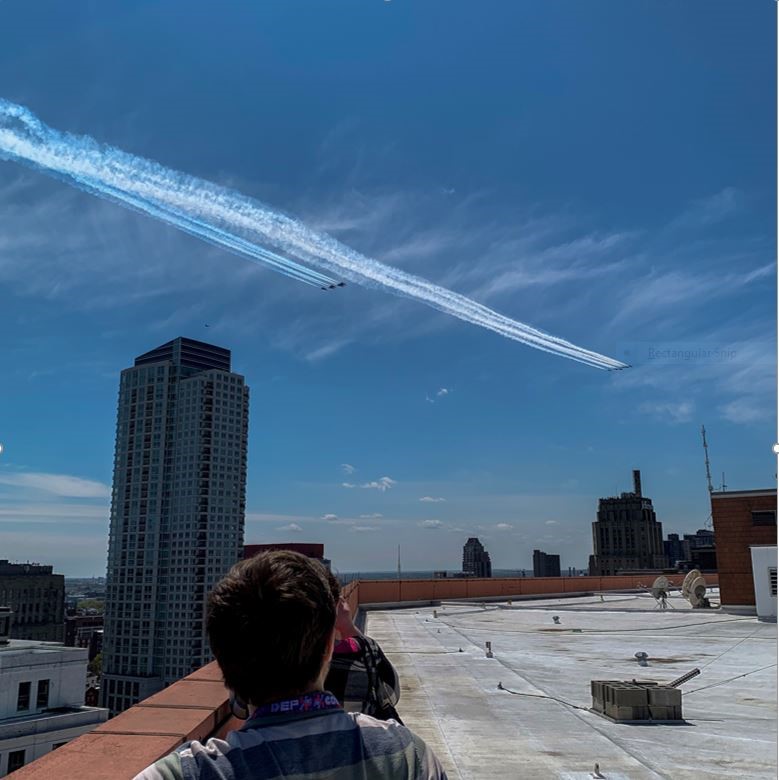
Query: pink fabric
(348, 646)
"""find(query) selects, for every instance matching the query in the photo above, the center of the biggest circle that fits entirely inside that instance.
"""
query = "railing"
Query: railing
(197, 706)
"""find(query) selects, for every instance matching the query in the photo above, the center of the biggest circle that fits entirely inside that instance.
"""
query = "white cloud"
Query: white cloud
(364, 528)
(668, 411)
(432, 499)
(551, 522)
(293, 527)
(654, 296)
(383, 484)
(372, 516)
(62, 485)
(742, 410)
(14, 511)
(431, 524)
(262, 517)
(348, 468)
(503, 527)
(440, 393)
(329, 517)
(710, 210)
(326, 350)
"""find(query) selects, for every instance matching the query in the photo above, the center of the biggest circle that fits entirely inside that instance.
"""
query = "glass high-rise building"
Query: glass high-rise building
(177, 513)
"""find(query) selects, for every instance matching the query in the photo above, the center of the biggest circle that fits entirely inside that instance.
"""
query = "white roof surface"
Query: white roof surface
(452, 700)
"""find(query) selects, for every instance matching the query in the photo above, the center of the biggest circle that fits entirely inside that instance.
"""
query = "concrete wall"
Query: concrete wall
(64, 668)
(763, 561)
(734, 533)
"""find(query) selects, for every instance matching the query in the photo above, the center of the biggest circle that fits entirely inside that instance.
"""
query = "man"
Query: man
(361, 677)
(271, 625)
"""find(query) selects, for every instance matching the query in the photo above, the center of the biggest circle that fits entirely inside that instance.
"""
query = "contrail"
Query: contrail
(242, 224)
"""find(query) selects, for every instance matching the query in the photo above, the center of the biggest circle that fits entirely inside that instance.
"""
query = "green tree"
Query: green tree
(96, 665)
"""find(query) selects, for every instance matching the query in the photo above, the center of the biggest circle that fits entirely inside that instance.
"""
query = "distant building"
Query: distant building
(311, 549)
(703, 553)
(476, 560)
(37, 597)
(80, 628)
(692, 551)
(627, 535)
(41, 699)
(676, 550)
(545, 565)
(745, 533)
(177, 513)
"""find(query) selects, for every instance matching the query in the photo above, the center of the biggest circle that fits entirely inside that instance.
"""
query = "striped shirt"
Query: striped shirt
(315, 745)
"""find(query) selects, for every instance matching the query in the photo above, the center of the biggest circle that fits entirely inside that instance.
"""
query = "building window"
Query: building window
(23, 699)
(772, 579)
(43, 694)
(15, 759)
(764, 517)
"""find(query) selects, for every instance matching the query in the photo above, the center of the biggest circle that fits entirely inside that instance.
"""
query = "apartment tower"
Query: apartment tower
(177, 513)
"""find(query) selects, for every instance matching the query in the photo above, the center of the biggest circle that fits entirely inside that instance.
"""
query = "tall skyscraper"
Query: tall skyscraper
(177, 513)
(476, 560)
(627, 535)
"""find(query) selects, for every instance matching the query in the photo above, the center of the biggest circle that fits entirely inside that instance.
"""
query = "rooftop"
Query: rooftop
(451, 698)
(29, 648)
(450, 692)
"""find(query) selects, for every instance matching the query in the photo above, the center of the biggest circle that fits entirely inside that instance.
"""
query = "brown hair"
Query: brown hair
(269, 622)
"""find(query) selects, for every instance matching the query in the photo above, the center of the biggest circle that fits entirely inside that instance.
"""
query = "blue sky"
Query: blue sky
(601, 170)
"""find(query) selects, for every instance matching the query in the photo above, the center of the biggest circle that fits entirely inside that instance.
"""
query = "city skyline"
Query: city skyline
(621, 197)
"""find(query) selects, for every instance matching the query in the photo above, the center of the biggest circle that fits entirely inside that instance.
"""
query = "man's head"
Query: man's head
(270, 623)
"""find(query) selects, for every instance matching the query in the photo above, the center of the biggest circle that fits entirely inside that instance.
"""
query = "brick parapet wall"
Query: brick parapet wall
(734, 533)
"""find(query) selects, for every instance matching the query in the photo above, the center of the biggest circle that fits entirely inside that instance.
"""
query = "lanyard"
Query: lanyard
(309, 702)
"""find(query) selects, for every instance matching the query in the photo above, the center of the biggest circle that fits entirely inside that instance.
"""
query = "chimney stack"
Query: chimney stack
(637, 482)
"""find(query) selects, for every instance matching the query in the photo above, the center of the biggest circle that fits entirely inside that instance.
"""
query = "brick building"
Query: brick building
(742, 519)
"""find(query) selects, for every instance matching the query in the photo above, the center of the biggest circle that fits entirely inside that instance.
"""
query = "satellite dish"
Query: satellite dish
(642, 658)
(697, 592)
(692, 575)
(660, 588)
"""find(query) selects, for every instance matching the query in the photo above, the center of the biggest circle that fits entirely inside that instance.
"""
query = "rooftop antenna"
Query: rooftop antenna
(708, 523)
(723, 482)
(706, 455)
(399, 562)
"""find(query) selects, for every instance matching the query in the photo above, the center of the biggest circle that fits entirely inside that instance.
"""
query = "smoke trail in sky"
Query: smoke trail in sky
(242, 225)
